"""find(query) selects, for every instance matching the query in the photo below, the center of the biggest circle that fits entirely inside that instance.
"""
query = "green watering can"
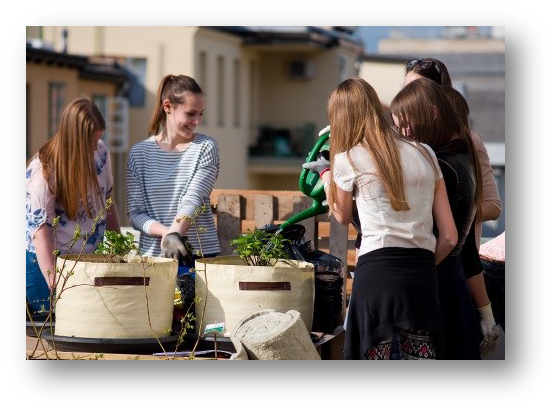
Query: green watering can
(310, 183)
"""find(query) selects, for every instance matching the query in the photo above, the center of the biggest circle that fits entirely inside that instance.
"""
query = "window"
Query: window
(237, 96)
(202, 76)
(135, 91)
(56, 98)
(100, 101)
(220, 88)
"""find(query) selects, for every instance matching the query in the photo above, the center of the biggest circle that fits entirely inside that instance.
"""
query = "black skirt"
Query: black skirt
(459, 323)
(394, 289)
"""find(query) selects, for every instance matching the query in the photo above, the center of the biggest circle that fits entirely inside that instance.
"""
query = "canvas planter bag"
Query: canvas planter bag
(235, 289)
(108, 300)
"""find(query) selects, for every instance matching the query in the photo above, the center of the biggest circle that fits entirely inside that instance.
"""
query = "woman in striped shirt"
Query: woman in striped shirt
(171, 174)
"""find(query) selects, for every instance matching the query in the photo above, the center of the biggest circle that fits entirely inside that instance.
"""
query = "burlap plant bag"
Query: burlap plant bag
(108, 300)
(236, 289)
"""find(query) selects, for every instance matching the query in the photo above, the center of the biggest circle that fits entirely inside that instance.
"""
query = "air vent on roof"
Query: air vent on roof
(301, 69)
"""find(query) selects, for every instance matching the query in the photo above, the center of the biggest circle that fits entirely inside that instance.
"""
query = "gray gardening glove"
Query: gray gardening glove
(318, 165)
(489, 330)
(187, 259)
(173, 246)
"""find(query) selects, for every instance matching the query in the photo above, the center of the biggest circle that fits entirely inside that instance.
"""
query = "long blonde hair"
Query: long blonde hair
(68, 157)
(356, 117)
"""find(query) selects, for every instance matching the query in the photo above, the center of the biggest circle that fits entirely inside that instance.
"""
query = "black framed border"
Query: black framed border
(512, 377)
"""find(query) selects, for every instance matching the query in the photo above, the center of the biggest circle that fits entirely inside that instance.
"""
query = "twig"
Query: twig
(35, 329)
(148, 313)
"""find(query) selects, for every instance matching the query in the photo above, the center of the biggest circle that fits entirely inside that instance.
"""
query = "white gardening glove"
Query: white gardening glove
(318, 166)
(325, 130)
(489, 330)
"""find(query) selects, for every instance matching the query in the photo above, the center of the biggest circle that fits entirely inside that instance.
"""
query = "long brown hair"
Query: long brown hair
(172, 88)
(68, 157)
(356, 117)
(426, 114)
(460, 105)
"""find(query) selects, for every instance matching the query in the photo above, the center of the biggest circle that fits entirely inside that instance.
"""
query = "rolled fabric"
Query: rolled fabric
(270, 335)
(241, 353)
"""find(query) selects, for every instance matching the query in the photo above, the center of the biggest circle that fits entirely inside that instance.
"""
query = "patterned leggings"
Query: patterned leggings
(414, 344)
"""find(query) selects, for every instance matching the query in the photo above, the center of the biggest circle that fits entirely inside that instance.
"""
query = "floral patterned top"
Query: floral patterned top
(43, 207)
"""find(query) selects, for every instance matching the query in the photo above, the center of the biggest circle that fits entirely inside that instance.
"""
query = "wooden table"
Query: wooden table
(329, 347)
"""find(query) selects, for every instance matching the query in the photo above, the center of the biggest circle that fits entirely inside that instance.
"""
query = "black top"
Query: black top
(458, 173)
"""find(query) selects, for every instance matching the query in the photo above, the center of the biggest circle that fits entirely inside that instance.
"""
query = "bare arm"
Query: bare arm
(342, 209)
(491, 210)
(448, 235)
(182, 227)
(44, 247)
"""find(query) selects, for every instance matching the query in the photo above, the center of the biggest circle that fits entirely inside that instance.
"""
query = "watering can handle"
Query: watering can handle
(323, 138)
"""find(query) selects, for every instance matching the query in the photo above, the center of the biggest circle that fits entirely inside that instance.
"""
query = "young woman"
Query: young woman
(171, 175)
(423, 113)
(435, 70)
(69, 177)
(399, 192)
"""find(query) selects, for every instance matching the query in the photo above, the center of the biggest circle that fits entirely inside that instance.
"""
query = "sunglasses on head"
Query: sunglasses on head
(423, 64)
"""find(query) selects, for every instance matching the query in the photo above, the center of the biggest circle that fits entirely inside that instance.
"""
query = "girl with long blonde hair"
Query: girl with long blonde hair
(399, 192)
(70, 178)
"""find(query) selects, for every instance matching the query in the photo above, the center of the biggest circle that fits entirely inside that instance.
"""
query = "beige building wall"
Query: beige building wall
(38, 78)
(418, 47)
(223, 72)
(387, 78)
(286, 98)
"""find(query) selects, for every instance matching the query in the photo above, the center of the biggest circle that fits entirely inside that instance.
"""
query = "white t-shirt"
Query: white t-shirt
(382, 226)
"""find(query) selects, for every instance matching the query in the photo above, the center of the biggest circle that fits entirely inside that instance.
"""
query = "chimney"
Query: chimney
(64, 40)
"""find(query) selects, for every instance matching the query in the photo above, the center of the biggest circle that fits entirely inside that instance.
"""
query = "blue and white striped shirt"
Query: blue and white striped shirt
(162, 185)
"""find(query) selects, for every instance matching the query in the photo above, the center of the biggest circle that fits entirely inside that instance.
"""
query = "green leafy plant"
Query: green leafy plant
(116, 244)
(259, 248)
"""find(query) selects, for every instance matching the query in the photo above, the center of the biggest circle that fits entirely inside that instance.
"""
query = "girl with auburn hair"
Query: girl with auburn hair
(491, 206)
(70, 177)
(399, 193)
(171, 174)
(423, 113)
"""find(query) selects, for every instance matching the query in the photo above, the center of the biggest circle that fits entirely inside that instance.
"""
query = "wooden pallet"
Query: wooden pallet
(237, 211)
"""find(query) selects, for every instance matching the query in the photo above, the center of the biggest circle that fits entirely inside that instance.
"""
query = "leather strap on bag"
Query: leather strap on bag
(264, 286)
(121, 281)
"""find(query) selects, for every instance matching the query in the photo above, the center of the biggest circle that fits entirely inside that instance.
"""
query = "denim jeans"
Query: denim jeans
(494, 276)
(37, 292)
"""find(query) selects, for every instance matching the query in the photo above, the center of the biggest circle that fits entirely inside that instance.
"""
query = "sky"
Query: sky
(372, 34)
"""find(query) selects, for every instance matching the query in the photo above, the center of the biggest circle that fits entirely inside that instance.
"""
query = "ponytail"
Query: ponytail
(172, 88)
